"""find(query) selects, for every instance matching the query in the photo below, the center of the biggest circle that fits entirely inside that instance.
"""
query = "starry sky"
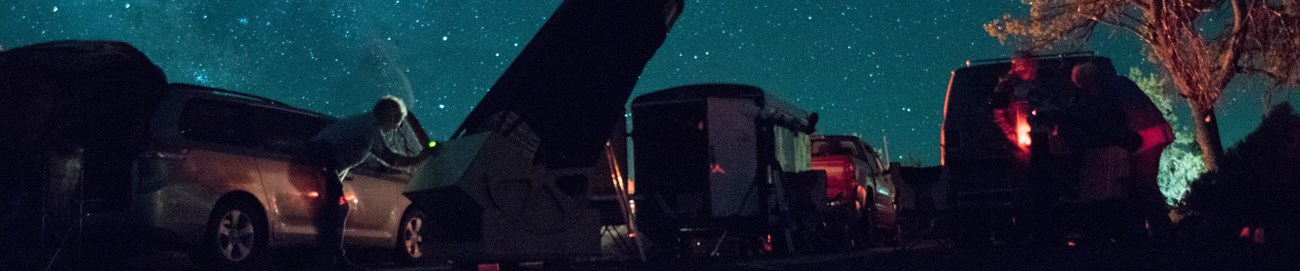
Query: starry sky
(872, 68)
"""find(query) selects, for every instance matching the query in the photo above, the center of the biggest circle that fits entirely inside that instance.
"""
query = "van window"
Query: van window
(216, 122)
(247, 126)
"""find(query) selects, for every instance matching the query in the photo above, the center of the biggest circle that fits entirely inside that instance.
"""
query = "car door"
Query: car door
(881, 188)
(293, 188)
(376, 200)
(886, 205)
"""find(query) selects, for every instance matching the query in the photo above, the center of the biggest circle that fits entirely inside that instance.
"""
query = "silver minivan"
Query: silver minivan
(220, 170)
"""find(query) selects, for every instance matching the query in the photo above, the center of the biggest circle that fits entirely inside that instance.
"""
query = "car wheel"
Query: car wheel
(236, 235)
(894, 234)
(866, 235)
(410, 235)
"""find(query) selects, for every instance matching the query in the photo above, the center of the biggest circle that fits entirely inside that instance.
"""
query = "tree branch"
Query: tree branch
(1120, 25)
(1227, 67)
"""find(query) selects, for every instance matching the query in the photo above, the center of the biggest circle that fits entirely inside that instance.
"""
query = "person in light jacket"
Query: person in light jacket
(343, 145)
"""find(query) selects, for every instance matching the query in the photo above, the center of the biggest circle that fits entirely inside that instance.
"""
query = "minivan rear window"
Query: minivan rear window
(247, 126)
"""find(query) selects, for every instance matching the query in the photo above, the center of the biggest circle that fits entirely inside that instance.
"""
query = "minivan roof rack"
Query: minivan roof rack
(233, 94)
(1008, 59)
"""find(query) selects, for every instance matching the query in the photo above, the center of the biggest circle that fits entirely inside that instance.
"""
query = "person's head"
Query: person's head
(1087, 76)
(389, 111)
(1024, 65)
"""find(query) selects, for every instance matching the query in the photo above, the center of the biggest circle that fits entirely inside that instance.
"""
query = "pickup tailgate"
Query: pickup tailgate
(841, 175)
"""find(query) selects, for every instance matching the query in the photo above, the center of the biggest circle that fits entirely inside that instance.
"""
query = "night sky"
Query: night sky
(868, 67)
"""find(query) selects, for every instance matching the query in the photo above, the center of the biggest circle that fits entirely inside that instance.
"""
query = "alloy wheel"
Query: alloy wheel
(235, 235)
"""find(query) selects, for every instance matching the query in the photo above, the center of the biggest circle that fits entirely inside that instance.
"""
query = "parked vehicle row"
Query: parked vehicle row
(728, 169)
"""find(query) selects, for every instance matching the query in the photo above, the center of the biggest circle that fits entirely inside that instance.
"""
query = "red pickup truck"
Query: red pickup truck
(857, 183)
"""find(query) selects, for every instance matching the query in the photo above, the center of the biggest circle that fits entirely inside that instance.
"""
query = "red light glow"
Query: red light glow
(767, 244)
(489, 267)
(1022, 132)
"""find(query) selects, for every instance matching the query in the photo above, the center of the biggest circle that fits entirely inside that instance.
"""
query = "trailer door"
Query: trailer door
(733, 157)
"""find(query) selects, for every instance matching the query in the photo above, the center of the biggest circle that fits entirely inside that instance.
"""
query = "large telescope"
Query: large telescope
(513, 181)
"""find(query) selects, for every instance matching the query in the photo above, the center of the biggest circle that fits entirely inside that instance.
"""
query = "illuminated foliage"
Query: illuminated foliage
(1181, 162)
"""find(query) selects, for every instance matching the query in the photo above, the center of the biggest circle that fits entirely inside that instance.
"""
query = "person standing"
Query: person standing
(1025, 107)
(1097, 128)
(343, 145)
(1142, 188)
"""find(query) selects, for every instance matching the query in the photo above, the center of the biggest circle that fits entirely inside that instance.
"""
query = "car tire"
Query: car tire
(864, 234)
(236, 235)
(894, 234)
(410, 236)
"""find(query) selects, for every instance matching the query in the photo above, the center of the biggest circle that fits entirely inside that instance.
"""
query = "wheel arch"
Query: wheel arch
(240, 195)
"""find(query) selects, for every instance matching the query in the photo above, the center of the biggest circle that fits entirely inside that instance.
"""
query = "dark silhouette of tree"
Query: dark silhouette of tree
(1259, 182)
(1200, 56)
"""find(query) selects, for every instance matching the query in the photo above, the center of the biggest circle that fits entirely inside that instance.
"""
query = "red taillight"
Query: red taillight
(848, 168)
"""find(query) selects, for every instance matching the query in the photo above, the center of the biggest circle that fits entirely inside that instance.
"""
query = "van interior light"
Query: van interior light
(433, 143)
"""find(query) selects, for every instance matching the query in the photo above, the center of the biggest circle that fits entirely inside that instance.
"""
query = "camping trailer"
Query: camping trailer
(714, 162)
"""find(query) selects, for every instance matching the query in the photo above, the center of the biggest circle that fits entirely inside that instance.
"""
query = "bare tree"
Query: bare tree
(1199, 55)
